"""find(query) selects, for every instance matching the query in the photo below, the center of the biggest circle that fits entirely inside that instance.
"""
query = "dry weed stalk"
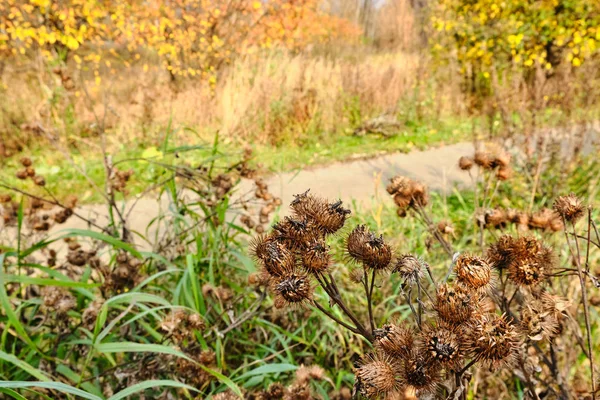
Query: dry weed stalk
(498, 310)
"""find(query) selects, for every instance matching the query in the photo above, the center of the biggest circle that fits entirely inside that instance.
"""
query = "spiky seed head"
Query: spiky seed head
(377, 376)
(294, 232)
(555, 304)
(400, 185)
(420, 374)
(499, 254)
(402, 201)
(357, 241)
(292, 288)
(504, 173)
(394, 340)
(316, 257)
(26, 162)
(531, 261)
(465, 163)
(410, 268)
(502, 159)
(494, 341)
(444, 344)
(328, 217)
(483, 159)
(276, 258)
(538, 323)
(569, 207)
(495, 218)
(545, 219)
(378, 254)
(454, 304)
(445, 227)
(420, 195)
(473, 272)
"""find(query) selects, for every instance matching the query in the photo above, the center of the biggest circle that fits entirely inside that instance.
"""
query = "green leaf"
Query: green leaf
(137, 297)
(225, 380)
(13, 394)
(47, 282)
(102, 237)
(11, 358)
(132, 347)
(12, 317)
(61, 387)
(268, 369)
(138, 387)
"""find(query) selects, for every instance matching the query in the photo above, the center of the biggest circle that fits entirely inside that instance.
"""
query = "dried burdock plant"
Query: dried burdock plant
(500, 310)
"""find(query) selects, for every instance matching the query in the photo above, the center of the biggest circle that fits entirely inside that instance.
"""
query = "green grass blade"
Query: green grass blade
(12, 317)
(24, 366)
(61, 387)
(12, 394)
(224, 380)
(116, 243)
(132, 347)
(150, 384)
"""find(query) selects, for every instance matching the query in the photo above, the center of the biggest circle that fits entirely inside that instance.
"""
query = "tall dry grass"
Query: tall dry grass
(264, 99)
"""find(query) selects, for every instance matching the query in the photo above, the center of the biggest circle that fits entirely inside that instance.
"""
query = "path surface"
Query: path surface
(358, 181)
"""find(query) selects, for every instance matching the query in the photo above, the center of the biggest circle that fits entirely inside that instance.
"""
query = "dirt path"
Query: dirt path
(357, 181)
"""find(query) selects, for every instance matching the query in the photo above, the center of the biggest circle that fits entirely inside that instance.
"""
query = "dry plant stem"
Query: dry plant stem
(436, 234)
(528, 382)
(584, 298)
(536, 179)
(337, 299)
(334, 318)
(55, 203)
(246, 315)
(555, 371)
(369, 294)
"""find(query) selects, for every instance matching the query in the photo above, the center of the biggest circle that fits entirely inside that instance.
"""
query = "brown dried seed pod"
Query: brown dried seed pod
(531, 261)
(292, 289)
(30, 172)
(445, 227)
(465, 163)
(483, 159)
(454, 304)
(328, 217)
(538, 323)
(356, 242)
(444, 344)
(502, 160)
(542, 219)
(39, 180)
(26, 162)
(394, 340)
(504, 173)
(21, 174)
(401, 185)
(420, 374)
(376, 376)
(499, 254)
(276, 258)
(5, 198)
(569, 207)
(316, 257)
(473, 272)
(495, 218)
(410, 268)
(402, 201)
(493, 341)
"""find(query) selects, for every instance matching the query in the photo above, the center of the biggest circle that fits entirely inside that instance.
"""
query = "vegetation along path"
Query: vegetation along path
(357, 181)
